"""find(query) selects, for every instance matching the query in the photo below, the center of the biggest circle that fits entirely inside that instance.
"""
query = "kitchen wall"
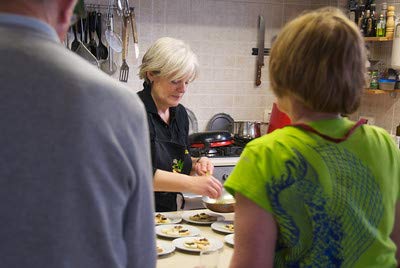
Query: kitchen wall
(222, 33)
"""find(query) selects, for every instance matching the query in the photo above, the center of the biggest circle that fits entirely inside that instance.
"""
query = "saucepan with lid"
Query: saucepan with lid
(248, 129)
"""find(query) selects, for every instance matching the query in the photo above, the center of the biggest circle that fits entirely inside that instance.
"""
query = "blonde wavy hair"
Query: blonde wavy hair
(320, 59)
(170, 58)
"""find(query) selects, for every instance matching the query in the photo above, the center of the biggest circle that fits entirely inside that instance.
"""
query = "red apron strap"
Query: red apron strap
(329, 138)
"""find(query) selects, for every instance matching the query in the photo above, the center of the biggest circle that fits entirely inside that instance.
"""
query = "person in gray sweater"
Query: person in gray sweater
(75, 169)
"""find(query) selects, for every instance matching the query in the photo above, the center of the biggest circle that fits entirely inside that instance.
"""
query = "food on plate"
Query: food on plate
(159, 250)
(199, 243)
(229, 227)
(203, 217)
(176, 230)
(161, 218)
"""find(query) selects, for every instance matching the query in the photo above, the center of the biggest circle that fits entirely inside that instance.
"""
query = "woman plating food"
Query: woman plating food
(167, 68)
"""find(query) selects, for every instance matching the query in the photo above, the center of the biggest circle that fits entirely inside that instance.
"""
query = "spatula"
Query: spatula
(124, 71)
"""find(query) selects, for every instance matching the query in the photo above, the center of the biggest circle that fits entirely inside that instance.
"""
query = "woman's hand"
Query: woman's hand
(203, 166)
(205, 185)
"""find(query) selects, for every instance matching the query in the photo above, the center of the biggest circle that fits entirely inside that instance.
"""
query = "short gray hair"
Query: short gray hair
(171, 58)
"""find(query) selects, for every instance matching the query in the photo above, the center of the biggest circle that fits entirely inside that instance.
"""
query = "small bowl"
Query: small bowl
(224, 205)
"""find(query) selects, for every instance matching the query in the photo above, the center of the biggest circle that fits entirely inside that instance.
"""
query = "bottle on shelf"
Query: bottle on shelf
(390, 22)
(381, 27)
(374, 20)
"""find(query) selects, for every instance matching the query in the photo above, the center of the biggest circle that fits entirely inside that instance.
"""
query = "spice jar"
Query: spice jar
(374, 80)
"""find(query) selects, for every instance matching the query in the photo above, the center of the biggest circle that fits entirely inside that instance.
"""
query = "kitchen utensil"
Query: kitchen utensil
(193, 125)
(248, 129)
(109, 66)
(91, 21)
(124, 71)
(119, 5)
(260, 57)
(134, 31)
(102, 52)
(113, 39)
(84, 52)
(210, 139)
(75, 42)
(220, 121)
(224, 204)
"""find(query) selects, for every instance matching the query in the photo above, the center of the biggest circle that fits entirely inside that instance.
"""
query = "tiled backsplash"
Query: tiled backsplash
(222, 33)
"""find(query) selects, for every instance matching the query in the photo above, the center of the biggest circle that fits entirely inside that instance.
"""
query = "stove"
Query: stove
(233, 150)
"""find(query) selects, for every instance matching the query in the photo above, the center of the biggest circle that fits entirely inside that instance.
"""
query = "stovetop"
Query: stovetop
(233, 150)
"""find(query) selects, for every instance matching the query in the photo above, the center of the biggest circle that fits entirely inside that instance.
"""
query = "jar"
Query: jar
(374, 80)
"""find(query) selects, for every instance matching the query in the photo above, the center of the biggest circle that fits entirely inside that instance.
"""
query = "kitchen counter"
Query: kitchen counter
(180, 258)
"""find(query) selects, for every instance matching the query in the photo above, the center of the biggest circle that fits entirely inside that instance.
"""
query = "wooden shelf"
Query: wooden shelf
(392, 93)
(377, 39)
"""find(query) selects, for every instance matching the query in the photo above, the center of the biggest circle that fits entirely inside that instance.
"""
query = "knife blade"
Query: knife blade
(134, 31)
(260, 45)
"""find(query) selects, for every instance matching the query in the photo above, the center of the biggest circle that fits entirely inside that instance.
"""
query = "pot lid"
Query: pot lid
(193, 125)
(221, 121)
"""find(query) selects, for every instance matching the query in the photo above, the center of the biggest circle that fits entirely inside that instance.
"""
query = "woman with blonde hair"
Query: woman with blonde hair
(325, 191)
(167, 68)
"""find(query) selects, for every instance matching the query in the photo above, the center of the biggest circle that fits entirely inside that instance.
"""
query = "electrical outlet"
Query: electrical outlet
(371, 119)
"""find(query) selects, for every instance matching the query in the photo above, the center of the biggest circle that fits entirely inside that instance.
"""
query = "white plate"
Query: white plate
(215, 244)
(172, 216)
(186, 216)
(229, 239)
(220, 226)
(167, 247)
(193, 231)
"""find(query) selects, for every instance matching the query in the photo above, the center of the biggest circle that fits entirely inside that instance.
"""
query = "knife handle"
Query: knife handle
(258, 76)
(133, 25)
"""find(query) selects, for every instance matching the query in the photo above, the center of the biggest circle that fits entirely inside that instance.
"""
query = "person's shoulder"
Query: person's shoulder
(283, 135)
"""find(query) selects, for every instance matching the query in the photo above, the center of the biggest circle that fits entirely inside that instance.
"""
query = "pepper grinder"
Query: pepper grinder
(390, 22)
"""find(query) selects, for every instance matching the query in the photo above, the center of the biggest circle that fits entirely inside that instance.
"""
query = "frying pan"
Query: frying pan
(210, 139)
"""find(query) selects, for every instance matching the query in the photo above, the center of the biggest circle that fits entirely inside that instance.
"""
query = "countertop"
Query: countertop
(184, 259)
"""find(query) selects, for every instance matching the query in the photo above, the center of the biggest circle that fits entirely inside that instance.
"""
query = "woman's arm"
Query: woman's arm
(396, 232)
(165, 181)
(255, 235)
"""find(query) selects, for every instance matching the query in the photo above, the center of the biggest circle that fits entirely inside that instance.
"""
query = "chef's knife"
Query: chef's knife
(260, 57)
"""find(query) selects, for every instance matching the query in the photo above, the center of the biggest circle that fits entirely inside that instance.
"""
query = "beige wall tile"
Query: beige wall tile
(222, 33)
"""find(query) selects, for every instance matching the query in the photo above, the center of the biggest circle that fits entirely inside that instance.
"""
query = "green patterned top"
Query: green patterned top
(334, 203)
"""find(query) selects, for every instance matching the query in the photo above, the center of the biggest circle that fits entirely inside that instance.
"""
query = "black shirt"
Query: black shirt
(178, 129)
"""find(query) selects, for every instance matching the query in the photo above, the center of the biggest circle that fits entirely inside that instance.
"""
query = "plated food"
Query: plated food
(197, 244)
(176, 230)
(164, 247)
(166, 218)
(202, 218)
(201, 243)
(224, 227)
(229, 239)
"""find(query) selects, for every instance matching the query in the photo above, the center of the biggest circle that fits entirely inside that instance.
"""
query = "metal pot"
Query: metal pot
(248, 129)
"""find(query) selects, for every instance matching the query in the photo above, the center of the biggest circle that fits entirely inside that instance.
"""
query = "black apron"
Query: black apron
(173, 157)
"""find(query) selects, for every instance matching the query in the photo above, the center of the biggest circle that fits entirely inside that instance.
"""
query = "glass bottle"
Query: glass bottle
(381, 27)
